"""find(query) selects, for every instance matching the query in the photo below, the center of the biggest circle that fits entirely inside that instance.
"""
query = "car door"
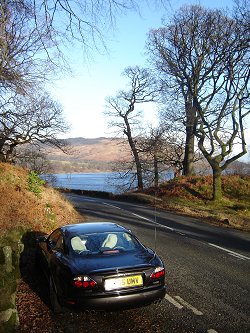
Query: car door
(45, 251)
(59, 269)
(51, 250)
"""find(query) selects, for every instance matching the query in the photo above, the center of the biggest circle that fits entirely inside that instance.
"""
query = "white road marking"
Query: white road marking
(189, 306)
(232, 253)
(142, 217)
(173, 301)
(106, 204)
(145, 218)
(164, 226)
(156, 223)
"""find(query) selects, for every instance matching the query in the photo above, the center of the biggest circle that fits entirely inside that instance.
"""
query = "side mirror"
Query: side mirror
(41, 239)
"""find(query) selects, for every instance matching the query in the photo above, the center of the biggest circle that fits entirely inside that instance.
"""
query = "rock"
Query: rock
(7, 251)
(5, 315)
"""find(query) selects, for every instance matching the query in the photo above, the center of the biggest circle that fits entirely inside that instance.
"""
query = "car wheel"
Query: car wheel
(55, 305)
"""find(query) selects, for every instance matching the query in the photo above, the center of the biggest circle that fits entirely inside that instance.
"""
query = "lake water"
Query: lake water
(101, 181)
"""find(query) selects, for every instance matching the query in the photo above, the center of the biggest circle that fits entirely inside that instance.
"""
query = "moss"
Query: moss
(11, 325)
(9, 277)
(12, 238)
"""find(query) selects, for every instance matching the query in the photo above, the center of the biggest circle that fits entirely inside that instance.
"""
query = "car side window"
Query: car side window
(60, 244)
(53, 238)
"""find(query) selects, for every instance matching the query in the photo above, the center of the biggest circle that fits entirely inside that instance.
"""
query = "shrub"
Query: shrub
(35, 183)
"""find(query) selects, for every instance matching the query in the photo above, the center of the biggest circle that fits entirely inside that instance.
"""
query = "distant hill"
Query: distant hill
(88, 155)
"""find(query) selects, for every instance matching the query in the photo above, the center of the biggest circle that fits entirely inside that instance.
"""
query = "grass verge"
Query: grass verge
(192, 196)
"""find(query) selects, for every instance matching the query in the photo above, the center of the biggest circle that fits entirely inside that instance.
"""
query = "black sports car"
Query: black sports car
(99, 265)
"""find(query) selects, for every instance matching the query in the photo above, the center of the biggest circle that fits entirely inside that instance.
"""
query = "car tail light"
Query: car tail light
(158, 273)
(84, 282)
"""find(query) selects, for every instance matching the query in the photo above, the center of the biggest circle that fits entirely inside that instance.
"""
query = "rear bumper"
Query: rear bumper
(121, 301)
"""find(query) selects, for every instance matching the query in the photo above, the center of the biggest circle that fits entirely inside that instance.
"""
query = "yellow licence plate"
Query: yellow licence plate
(123, 282)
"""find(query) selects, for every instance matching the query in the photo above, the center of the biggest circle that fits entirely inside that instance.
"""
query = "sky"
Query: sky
(82, 94)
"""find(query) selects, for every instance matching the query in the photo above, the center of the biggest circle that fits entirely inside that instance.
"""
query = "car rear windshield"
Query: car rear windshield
(107, 242)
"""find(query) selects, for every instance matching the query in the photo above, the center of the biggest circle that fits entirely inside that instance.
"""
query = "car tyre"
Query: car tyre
(55, 305)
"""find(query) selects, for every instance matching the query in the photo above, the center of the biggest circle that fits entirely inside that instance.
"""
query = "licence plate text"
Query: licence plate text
(123, 282)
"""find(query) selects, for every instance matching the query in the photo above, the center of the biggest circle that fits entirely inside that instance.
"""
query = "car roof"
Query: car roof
(92, 227)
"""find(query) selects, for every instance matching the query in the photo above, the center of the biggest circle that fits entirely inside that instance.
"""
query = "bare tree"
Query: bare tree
(30, 119)
(223, 110)
(152, 147)
(172, 121)
(162, 151)
(124, 175)
(205, 56)
(84, 21)
(32, 158)
(169, 48)
(33, 34)
(123, 113)
(23, 60)
(174, 150)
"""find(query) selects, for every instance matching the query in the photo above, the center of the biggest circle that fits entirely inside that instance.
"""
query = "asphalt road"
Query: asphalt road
(207, 269)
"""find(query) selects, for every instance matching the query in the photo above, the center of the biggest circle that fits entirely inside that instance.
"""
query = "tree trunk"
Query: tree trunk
(139, 171)
(188, 165)
(217, 185)
(156, 171)
(135, 153)
(137, 163)
(188, 161)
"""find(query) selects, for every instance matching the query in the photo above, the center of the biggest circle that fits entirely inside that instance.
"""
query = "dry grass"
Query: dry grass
(22, 208)
(192, 196)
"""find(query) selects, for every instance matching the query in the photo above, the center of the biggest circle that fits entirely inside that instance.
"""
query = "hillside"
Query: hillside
(27, 204)
(192, 195)
(101, 155)
(88, 155)
(28, 209)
